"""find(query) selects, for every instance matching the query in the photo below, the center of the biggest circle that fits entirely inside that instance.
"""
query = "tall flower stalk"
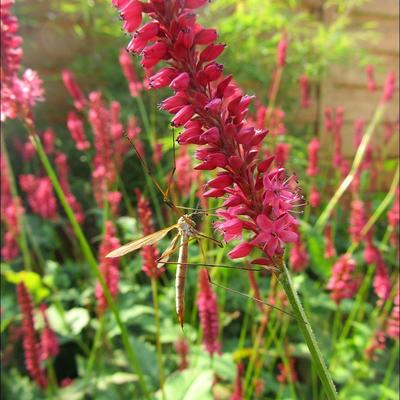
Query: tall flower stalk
(212, 112)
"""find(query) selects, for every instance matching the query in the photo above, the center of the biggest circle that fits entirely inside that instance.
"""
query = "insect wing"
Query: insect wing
(138, 244)
(168, 251)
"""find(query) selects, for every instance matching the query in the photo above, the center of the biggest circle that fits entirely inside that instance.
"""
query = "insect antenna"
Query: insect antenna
(143, 162)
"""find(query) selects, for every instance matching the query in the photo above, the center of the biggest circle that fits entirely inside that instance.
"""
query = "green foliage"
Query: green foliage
(253, 30)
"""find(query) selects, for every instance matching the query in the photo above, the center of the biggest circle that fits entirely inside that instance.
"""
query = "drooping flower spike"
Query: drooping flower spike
(212, 112)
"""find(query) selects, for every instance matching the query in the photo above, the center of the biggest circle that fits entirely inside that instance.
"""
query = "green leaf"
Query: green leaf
(77, 318)
(319, 263)
(32, 281)
(190, 384)
(74, 320)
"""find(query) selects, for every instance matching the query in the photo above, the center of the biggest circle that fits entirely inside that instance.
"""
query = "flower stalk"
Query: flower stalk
(308, 334)
(326, 213)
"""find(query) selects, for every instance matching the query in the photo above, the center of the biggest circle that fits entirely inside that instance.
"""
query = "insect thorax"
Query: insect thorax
(187, 226)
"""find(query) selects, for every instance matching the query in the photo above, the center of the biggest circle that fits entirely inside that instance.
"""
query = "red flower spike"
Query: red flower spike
(183, 116)
(208, 312)
(194, 3)
(206, 36)
(214, 117)
(343, 284)
(149, 254)
(241, 250)
(313, 148)
(131, 12)
(29, 342)
(181, 82)
(109, 267)
(211, 52)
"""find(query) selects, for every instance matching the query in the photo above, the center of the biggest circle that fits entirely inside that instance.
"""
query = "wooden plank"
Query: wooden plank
(358, 103)
(348, 147)
(380, 8)
(387, 31)
(347, 75)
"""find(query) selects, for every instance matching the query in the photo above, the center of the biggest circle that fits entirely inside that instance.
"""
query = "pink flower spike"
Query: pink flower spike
(241, 250)
(343, 284)
(208, 312)
(281, 51)
(183, 116)
(73, 89)
(369, 69)
(389, 88)
(211, 52)
(274, 234)
(131, 13)
(220, 181)
(195, 3)
(206, 36)
(313, 149)
(135, 86)
(181, 82)
(304, 91)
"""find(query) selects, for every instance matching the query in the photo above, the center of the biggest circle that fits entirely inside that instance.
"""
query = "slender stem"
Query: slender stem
(308, 334)
(89, 257)
(52, 378)
(158, 331)
(382, 206)
(265, 317)
(323, 218)
(245, 324)
(145, 120)
(95, 346)
(389, 370)
(336, 323)
(358, 302)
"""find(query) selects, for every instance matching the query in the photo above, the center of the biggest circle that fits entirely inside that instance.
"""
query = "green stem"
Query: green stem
(360, 298)
(389, 369)
(308, 334)
(145, 120)
(245, 324)
(323, 218)
(89, 257)
(158, 331)
(52, 378)
(336, 323)
(93, 351)
(385, 203)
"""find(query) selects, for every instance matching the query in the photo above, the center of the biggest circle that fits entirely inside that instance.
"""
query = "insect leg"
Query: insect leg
(244, 294)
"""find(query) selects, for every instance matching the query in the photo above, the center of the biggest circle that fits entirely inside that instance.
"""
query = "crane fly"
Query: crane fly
(186, 228)
(187, 231)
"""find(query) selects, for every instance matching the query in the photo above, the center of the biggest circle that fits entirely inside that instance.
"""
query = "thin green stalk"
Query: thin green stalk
(385, 203)
(52, 378)
(308, 334)
(90, 258)
(95, 346)
(145, 120)
(21, 240)
(323, 218)
(336, 323)
(256, 347)
(378, 212)
(359, 300)
(158, 335)
(389, 370)
(245, 324)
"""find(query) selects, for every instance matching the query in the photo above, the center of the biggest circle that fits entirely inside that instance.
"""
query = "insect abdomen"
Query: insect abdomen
(180, 278)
